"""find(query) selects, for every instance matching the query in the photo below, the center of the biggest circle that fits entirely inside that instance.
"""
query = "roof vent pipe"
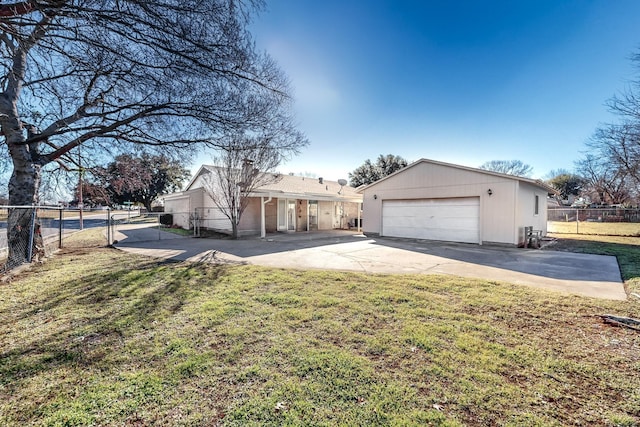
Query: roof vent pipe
(320, 180)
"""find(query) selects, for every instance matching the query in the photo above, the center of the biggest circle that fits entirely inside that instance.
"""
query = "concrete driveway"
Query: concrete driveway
(583, 274)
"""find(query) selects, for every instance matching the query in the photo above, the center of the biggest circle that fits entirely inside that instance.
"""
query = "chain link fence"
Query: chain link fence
(150, 226)
(596, 221)
(28, 233)
(31, 233)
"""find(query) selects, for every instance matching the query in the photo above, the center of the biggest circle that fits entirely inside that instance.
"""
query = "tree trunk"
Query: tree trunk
(23, 191)
(234, 229)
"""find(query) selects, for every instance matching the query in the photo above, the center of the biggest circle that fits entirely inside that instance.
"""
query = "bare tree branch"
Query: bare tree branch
(110, 75)
(243, 164)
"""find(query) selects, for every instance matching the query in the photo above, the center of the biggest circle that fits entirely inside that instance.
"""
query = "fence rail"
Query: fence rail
(597, 221)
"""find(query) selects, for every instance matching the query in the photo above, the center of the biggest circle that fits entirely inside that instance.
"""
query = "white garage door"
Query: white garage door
(452, 220)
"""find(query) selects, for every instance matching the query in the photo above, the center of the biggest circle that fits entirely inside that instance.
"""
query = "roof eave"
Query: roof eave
(305, 196)
(535, 182)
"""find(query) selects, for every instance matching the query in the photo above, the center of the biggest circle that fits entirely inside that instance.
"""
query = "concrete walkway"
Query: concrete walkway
(595, 276)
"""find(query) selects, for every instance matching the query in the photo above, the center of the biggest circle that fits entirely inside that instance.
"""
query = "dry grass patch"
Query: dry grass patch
(101, 337)
(595, 228)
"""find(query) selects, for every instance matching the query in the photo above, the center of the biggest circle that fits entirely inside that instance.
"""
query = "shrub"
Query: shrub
(166, 219)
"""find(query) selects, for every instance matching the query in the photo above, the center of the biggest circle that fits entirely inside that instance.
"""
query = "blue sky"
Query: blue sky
(456, 81)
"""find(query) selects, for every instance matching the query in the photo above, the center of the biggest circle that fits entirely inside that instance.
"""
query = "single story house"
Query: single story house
(441, 201)
(287, 204)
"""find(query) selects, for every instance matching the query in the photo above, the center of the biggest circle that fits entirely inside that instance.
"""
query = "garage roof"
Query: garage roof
(536, 182)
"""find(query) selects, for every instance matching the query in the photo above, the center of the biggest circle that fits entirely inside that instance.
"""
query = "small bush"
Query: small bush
(166, 219)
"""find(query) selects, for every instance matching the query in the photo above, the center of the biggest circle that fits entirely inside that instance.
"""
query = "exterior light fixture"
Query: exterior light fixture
(375, 196)
(489, 192)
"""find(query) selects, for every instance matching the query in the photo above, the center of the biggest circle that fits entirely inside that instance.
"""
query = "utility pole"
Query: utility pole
(80, 187)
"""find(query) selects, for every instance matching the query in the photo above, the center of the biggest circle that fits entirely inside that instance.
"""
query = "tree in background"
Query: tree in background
(509, 167)
(134, 179)
(612, 160)
(369, 173)
(604, 183)
(567, 183)
(111, 75)
(165, 176)
(92, 195)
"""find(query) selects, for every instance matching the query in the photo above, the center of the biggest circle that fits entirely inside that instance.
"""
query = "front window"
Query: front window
(536, 207)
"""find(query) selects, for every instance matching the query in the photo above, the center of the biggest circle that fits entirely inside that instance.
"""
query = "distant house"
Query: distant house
(288, 204)
(441, 201)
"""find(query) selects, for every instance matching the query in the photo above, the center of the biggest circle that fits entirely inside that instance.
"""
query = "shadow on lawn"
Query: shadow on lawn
(628, 255)
(76, 315)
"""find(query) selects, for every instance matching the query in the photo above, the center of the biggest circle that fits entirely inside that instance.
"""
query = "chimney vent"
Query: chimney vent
(320, 180)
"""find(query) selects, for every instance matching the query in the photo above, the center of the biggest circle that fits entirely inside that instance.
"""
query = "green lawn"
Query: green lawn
(100, 337)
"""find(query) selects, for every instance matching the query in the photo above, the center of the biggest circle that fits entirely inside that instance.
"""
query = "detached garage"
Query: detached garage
(439, 201)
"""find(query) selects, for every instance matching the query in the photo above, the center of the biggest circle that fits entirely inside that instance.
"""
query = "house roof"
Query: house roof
(536, 182)
(202, 169)
(309, 188)
(300, 187)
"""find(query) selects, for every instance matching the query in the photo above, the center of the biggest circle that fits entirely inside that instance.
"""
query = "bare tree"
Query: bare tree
(242, 165)
(603, 183)
(509, 167)
(111, 75)
(616, 146)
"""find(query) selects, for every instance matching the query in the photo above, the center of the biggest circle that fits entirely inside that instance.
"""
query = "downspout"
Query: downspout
(263, 228)
(516, 213)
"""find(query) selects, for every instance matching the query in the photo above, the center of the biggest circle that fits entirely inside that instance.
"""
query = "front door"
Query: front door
(313, 215)
(286, 215)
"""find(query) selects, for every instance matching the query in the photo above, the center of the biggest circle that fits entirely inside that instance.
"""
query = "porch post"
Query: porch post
(359, 209)
(263, 231)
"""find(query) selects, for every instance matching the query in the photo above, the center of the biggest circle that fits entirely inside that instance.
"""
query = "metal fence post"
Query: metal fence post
(108, 227)
(60, 228)
(31, 235)
(577, 221)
